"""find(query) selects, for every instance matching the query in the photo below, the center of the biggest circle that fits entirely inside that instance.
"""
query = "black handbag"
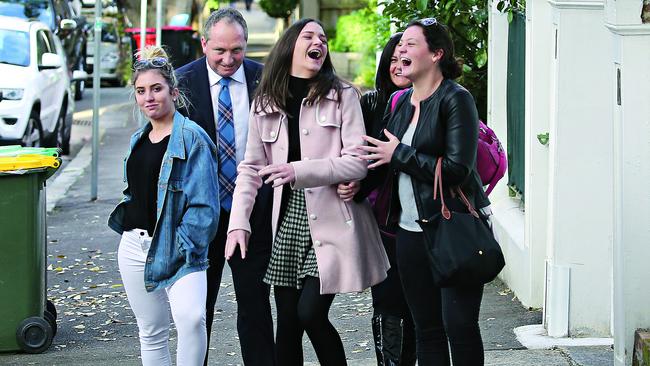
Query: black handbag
(461, 247)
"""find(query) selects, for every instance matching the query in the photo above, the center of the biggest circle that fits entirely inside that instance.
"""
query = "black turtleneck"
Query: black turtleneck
(298, 90)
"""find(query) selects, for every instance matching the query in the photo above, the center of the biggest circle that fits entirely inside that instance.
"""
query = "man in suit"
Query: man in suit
(220, 88)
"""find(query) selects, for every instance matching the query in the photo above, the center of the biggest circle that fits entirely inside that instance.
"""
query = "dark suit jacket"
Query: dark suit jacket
(194, 83)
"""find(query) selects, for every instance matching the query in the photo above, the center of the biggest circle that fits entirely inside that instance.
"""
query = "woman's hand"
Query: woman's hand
(382, 152)
(279, 174)
(236, 238)
(347, 190)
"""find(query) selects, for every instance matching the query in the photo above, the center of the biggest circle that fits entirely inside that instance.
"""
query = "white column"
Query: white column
(508, 216)
(629, 75)
(539, 54)
(580, 218)
(521, 227)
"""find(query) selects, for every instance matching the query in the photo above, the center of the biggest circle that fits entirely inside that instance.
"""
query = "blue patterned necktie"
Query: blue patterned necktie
(226, 146)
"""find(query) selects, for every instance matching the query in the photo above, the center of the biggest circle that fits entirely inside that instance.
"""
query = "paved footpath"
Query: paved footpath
(96, 326)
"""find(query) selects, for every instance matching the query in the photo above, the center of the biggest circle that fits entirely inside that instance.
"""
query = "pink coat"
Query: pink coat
(349, 251)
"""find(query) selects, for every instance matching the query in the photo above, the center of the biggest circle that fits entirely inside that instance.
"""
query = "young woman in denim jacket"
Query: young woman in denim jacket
(167, 218)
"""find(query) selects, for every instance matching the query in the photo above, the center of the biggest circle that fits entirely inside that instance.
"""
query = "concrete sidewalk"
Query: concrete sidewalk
(96, 326)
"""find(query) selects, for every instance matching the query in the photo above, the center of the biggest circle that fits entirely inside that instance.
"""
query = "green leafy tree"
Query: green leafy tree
(467, 21)
(364, 31)
(279, 8)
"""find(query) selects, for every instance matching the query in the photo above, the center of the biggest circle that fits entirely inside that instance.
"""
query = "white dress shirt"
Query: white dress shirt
(240, 107)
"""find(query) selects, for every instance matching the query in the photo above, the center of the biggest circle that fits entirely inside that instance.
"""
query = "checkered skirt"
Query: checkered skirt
(293, 257)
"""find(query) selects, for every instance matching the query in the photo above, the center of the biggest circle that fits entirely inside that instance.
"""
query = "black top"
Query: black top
(373, 110)
(298, 90)
(143, 171)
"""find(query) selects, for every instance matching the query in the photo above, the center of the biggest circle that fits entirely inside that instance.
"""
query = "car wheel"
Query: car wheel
(80, 85)
(63, 136)
(79, 88)
(33, 133)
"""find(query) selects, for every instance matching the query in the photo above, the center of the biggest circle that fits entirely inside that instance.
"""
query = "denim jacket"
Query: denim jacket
(187, 208)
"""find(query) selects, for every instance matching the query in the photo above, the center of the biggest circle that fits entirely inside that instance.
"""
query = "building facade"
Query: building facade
(577, 237)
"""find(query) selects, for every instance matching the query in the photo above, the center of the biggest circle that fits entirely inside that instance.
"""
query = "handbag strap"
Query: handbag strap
(437, 189)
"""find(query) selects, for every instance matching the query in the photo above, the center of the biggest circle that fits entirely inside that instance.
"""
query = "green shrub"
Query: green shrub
(278, 8)
(362, 31)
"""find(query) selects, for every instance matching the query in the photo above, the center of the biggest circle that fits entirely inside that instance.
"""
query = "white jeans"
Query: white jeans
(186, 297)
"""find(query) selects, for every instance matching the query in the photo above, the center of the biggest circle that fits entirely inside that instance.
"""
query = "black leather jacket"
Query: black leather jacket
(373, 110)
(447, 127)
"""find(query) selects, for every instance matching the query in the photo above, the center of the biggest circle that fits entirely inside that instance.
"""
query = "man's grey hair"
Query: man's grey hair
(230, 15)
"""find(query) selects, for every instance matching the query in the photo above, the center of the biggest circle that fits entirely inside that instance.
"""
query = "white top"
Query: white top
(240, 106)
(409, 212)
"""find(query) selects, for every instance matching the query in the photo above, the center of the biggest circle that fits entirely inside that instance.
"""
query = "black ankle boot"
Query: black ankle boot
(387, 331)
(409, 357)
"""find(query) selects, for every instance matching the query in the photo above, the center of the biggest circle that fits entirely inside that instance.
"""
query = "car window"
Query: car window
(14, 47)
(29, 9)
(42, 46)
(109, 34)
(50, 41)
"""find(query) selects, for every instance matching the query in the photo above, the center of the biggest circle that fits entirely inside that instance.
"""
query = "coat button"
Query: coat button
(318, 243)
(308, 190)
(305, 131)
(322, 119)
(312, 216)
(272, 133)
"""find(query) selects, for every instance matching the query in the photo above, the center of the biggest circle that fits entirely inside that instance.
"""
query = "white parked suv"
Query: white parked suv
(36, 102)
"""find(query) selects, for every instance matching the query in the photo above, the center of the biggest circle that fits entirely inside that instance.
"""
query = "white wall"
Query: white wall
(580, 226)
(631, 44)
(568, 220)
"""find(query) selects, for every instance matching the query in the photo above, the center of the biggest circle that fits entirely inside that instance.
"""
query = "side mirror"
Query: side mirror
(79, 75)
(68, 24)
(50, 61)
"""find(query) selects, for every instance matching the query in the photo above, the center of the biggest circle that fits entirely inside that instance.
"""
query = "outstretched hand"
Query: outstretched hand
(381, 152)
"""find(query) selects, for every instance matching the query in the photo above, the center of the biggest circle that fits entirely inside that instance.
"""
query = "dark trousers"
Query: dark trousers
(254, 322)
(306, 310)
(444, 317)
(388, 296)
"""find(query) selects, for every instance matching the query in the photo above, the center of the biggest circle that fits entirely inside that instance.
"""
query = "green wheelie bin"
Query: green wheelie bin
(27, 319)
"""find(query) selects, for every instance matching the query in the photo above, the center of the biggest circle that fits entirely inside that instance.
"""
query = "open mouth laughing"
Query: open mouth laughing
(405, 61)
(315, 54)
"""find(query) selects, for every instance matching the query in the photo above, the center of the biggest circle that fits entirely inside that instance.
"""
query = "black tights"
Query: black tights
(306, 310)
(441, 315)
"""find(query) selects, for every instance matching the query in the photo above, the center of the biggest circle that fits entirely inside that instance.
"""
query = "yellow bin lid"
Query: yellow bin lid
(31, 161)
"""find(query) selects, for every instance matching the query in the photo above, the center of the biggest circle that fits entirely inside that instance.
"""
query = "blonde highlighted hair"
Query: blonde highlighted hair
(156, 58)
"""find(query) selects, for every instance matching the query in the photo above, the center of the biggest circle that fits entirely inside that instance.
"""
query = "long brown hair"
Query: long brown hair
(273, 91)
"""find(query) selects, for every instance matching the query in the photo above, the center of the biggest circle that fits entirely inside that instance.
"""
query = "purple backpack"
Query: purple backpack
(491, 160)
